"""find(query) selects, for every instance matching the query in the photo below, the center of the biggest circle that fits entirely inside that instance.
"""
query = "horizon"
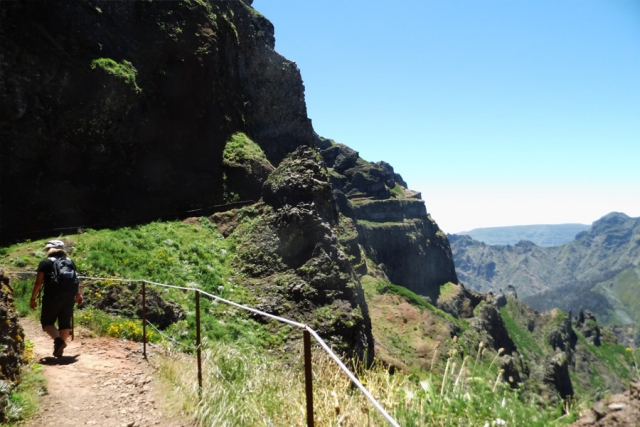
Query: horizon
(499, 113)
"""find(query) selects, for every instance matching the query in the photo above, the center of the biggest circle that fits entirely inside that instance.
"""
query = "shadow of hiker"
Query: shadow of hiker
(63, 360)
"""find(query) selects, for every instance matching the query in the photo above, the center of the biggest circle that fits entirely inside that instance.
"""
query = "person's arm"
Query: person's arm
(36, 289)
(79, 298)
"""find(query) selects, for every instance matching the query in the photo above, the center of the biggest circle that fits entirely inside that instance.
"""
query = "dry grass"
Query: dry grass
(245, 387)
(242, 387)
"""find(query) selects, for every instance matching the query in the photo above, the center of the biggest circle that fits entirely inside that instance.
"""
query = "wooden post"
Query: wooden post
(308, 377)
(144, 320)
(198, 343)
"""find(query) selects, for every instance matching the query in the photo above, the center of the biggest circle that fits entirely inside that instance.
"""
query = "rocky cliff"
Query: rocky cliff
(124, 112)
(388, 224)
(117, 112)
(290, 254)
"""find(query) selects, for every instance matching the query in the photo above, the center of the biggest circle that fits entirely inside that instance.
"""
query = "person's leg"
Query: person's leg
(51, 308)
(52, 331)
(64, 317)
(48, 318)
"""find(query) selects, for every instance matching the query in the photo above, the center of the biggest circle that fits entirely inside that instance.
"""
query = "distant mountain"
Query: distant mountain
(546, 235)
(599, 270)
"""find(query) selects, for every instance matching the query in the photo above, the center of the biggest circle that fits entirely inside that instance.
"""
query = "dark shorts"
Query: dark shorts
(60, 309)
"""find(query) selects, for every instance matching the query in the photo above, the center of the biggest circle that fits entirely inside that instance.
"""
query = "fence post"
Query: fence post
(308, 376)
(198, 343)
(144, 319)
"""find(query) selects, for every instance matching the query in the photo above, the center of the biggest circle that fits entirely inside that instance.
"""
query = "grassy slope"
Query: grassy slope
(623, 292)
(606, 363)
(409, 331)
(170, 252)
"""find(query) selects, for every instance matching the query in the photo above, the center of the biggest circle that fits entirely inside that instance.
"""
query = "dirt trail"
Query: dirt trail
(99, 382)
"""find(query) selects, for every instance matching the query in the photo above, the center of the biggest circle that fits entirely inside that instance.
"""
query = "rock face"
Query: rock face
(118, 112)
(556, 376)
(412, 248)
(293, 259)
(620, 410)
(11, 344)
(560, 359)
(126, 300)
(384, 222)
(586, 323)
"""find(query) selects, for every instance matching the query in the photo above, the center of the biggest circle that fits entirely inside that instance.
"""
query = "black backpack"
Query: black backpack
(64, 279)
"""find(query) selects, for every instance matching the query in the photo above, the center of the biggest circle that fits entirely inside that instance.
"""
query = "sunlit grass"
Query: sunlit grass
(25, 398)
(244, 387)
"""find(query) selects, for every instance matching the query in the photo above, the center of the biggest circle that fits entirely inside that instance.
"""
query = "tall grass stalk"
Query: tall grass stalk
(245, 387)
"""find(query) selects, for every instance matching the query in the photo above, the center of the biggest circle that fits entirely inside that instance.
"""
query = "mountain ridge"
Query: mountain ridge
(546, 235)
(593, 270)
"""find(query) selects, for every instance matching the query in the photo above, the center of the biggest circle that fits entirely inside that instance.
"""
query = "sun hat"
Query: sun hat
(57, 244)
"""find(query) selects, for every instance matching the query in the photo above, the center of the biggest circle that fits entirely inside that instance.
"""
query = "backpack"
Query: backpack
(64, 279)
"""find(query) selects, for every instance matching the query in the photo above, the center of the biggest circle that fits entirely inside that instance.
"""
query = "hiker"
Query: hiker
(58, 274)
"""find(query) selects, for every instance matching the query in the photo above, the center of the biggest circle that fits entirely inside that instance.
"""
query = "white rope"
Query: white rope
(353, 377)
(253, 310)
(278, 318)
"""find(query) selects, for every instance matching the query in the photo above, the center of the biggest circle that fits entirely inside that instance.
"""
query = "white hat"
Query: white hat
(57, 244)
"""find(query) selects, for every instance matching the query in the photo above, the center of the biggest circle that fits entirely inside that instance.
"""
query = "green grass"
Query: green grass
(397, 191)
(240, 149)
(524, 340)
(184, 254)
(614, 356)
(370, 284)
(448, 290)
(622, 292)
(123, 70)
(24, 399)
(165, 252)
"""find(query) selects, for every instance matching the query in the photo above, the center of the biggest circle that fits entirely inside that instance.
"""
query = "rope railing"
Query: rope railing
(218, 371)
(307, 333)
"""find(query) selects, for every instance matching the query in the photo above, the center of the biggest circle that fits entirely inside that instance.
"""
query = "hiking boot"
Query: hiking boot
(58, 347)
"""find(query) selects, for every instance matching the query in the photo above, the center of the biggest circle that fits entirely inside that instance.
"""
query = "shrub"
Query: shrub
(124, 70)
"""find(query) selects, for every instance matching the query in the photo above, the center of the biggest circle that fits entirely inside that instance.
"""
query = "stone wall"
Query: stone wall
(11, 344)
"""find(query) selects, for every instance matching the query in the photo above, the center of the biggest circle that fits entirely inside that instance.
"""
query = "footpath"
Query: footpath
(98, 382)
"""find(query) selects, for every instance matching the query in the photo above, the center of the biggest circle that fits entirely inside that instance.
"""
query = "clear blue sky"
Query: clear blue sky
(502, 112)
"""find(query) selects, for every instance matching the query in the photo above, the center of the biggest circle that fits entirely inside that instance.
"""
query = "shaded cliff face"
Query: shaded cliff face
(120, 111)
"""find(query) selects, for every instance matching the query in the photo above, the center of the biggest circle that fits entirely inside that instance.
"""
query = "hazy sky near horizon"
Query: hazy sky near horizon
(500, 112)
